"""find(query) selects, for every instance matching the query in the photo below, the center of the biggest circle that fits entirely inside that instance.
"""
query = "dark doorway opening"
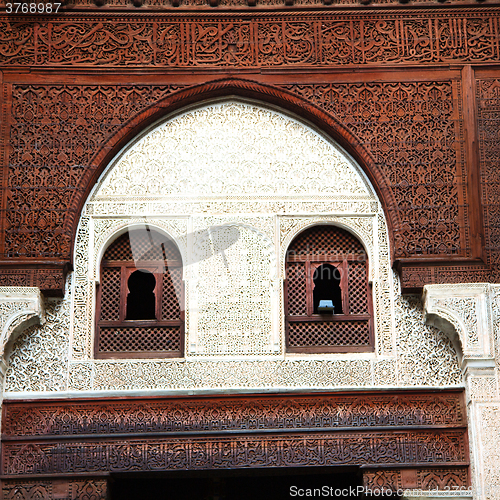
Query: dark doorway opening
(246, 484)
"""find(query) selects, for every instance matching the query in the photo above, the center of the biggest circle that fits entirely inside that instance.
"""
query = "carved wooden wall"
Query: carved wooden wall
(418, 114)
(403, 440)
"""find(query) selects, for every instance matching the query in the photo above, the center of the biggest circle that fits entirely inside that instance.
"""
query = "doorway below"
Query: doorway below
(246, 484)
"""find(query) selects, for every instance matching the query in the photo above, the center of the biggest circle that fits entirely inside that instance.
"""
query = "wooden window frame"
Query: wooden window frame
(311, 263)
(126, 269)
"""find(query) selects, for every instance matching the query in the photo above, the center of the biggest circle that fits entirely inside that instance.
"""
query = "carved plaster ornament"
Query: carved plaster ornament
(20, 307)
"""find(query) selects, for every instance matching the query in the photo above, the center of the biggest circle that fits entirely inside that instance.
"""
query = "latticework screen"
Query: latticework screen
(323, 240)
(115, 334)
(328, 333)
(350, 330)
(139, 339)
(296, 289)
(111, 293)
(142, 246)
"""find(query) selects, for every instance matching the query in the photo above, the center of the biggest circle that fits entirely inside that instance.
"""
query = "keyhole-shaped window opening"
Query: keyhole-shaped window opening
(326, 279)
(141, 298)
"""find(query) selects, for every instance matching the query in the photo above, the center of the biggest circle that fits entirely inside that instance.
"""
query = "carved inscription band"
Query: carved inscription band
(325, 39)
(355, 448)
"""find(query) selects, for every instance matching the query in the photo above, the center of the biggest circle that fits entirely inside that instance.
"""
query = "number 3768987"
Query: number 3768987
(32, 8)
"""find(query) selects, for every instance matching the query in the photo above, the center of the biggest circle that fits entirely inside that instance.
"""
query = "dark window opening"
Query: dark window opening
(141, 300)
(326, 280)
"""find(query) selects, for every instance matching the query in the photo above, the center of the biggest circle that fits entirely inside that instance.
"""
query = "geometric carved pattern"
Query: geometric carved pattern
(330, 333)
(161, 338)
(170, 304)
(325, 240)
(450, 478)
(56, 131)
(420, 161)
(259, 413)
(402, 113)
(488, 106)
(110, 297)
(358, 303)
(86, 489)
(143, 248)
(296, 277)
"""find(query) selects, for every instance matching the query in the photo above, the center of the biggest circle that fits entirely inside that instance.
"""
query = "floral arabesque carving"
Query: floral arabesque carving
(270, 164)
(402, 97)
(488, 109)
(19, 309)
(39, 356)
(235, 413)
(425, 355)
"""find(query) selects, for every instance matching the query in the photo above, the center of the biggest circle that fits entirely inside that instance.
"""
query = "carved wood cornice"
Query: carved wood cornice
(383, 429)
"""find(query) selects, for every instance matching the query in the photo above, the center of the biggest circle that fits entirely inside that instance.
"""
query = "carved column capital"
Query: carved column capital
(20, 307)
(464, 310)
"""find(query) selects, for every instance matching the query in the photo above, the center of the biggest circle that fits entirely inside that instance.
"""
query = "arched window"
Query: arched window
(140, 297)
(327, 296)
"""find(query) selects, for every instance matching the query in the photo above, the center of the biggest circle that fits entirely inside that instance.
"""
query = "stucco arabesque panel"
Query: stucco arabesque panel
(426, 357)
(236, 149)
(468, 310)
(39, 358)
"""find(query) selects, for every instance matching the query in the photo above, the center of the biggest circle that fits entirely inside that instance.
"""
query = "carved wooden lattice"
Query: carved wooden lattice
(161, 335)
(349, 330)
(324, 334)
(139, 339)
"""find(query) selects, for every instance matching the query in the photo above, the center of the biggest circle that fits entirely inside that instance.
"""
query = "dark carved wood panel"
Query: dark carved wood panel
(450, 478)
(55, 132)
(253, 40)
(488, 108)
(58, 129)
(235, 414)
(201, 453)
(55, 489)
(384, 429)
(412, 131)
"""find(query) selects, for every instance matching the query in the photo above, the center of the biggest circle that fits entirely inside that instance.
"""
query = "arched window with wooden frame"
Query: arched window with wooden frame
(140, 310)
(328, 306)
